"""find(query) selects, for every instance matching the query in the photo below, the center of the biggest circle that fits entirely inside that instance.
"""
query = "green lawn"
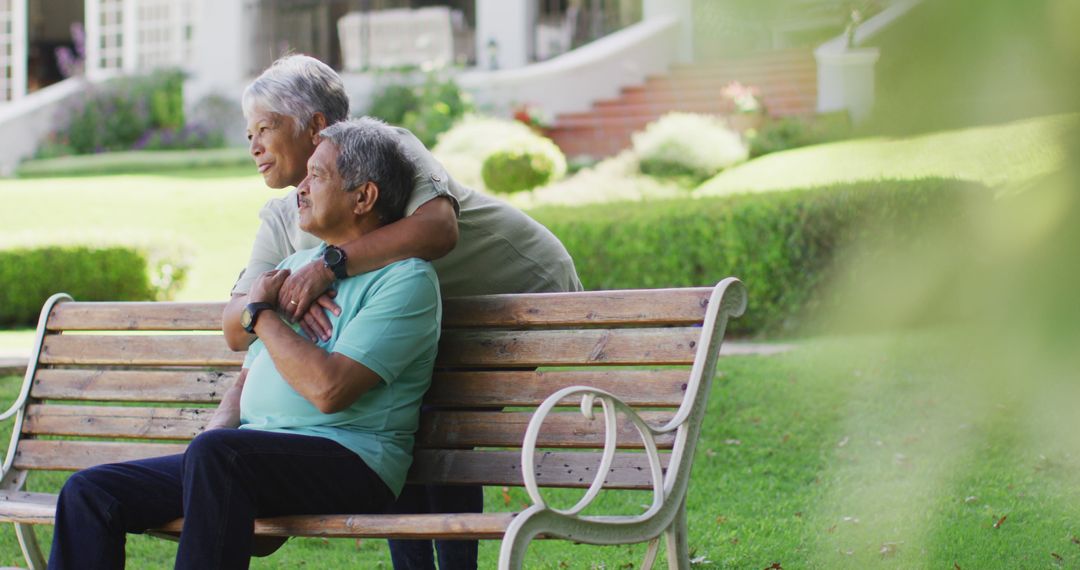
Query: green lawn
(855, 452)
(1012, 153)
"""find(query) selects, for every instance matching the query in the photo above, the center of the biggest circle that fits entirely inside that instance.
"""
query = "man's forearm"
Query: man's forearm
(236, 337)
(430, 233)
(330, 382)
(227, 414)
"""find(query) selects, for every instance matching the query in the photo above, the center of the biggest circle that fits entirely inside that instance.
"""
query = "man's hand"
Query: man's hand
(266, 287)
(305, 297)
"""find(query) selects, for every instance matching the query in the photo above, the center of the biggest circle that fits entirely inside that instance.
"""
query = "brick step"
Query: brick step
(638, 120)
(778, 95)
(764, 58)
(744, 70)
(714, 105)
(690, 83)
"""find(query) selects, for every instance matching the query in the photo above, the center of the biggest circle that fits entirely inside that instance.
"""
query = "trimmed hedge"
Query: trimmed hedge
(30, 274)
(517, 170)
(136, 161)
(784, 245)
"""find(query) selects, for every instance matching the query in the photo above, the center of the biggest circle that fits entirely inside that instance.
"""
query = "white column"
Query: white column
(19, 48)
(681, 9)
(222, 45)
(503, 33)
(130, 36)
(92, 21)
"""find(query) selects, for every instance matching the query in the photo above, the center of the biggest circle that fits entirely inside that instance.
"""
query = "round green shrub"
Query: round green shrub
(686, 144)
(465, 147)
(509, 171)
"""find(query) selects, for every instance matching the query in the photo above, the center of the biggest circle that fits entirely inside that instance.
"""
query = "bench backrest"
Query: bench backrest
(119, 381)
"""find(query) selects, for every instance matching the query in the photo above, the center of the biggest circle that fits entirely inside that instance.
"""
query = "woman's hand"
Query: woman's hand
(306, 296)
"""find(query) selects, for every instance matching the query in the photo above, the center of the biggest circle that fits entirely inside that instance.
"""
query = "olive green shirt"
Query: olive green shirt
(500, 249)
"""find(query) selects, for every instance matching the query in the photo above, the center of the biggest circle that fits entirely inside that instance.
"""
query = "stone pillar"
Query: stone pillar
(846, 81)
(684, 11)
(20, 45)
(504, 32)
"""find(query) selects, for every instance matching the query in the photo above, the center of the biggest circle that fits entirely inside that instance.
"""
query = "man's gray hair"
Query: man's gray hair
(298, 86)
(368, 150)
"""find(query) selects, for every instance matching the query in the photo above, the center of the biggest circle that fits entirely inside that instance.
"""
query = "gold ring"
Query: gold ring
(293, 303)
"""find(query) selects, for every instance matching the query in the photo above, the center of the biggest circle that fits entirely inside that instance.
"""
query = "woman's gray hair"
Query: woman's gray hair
(368, 150)
(298, 86)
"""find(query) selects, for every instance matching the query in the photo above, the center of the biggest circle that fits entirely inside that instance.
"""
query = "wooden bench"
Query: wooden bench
(118, 381)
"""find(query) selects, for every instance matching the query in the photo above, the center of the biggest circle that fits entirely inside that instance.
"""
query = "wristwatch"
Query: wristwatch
(251, 313)
(334, 259)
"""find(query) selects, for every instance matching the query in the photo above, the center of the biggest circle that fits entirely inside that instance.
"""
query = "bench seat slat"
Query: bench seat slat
(654, 388)
(572, 469)
(438, 429)
(493, 349)
(507, 429)
(126, 422)
(128, 350)
(40, 508)
(54, 455)
(132, 385)
(466, 467)
(683, 306)
(128, 316)
(594, 308)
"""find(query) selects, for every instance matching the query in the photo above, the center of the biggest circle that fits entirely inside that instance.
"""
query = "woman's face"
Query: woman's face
(280, 152)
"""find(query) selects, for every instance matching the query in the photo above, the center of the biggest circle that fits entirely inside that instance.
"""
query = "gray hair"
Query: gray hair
(368, 150)
(298, 86)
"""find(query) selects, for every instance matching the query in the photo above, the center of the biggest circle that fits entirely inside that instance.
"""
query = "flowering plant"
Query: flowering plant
(744, 97)
(532, 116)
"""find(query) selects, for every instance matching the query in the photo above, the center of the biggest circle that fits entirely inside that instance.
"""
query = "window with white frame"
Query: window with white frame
(164, 33)
(7, 49)
(111, 34)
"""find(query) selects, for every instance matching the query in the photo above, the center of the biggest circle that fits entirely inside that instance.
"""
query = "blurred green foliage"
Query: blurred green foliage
(427, 110)
(786, 246)
(954, 63)
(784, 133)
(30, 274)
(129, 113)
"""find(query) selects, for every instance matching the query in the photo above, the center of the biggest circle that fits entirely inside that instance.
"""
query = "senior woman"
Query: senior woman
(477, 244)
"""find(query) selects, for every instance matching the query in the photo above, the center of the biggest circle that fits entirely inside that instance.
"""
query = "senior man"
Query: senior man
(325, 427)
(478, 245)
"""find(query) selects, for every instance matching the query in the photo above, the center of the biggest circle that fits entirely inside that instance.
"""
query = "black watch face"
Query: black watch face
(332, 256)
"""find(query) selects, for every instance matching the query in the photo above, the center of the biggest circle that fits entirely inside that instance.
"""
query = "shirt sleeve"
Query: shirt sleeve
(431, 180)
(398, 325)
(270, 248)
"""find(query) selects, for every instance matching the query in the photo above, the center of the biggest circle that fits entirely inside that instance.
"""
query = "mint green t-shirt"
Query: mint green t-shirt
(389, 322)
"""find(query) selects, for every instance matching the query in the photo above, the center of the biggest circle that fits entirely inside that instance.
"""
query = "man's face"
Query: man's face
(280, 153)
(325, 205)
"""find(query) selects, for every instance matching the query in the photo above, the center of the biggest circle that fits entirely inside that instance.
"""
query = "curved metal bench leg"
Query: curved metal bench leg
(678, 548)
(29, 544)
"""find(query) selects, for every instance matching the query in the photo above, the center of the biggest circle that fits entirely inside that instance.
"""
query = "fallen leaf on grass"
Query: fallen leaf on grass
(787, 436)
(843, 442)
(626, 565)
(888, 548)
(699, 561)
(359, 543)
(721, 519)
(1001, 520)
(970, 499)
(1057, 557)
(956, 566)
(852, 520)
(506, 496)
(564, 564)
(1075, 540)
(831, 529)
(710, 453)
(774, 566)
(732, 442)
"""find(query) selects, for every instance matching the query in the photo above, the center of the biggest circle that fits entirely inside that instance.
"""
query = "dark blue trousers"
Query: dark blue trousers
(452, 554)
(220, 485)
